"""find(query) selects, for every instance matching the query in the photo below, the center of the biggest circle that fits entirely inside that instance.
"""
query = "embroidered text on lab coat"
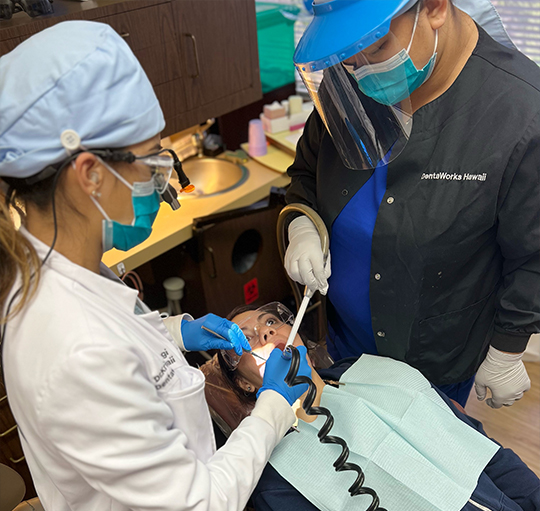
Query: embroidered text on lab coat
(163, 377)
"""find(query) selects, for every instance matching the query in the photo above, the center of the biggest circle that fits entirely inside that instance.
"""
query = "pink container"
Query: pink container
(256, 138)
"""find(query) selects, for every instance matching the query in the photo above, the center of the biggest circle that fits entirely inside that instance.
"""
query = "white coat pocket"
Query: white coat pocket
(186, 399)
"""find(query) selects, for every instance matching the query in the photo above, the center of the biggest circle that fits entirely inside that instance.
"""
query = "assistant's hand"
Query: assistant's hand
(505, 375)
(196, 338)
(304, 259)
(277, 368)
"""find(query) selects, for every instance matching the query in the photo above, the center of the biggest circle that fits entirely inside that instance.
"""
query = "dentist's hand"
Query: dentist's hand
(196, 338)
(304, 260)
(505, 375)
(277, 368)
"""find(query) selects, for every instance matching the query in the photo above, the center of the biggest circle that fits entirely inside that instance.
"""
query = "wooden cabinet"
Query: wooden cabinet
(151, 34)
(239, 259)
(200, 55)
(219, 45)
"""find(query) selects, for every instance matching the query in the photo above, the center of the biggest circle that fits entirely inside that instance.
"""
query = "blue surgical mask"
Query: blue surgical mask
(145, 201)
(395, 79)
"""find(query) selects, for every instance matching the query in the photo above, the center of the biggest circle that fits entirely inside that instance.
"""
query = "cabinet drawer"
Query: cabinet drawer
(150, 34)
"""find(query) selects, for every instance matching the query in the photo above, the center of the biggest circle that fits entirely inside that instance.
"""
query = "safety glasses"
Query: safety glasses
(32, 7)
(266, 319)
(161, 166)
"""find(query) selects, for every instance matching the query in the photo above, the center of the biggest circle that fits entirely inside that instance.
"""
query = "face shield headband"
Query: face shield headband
(365, 132)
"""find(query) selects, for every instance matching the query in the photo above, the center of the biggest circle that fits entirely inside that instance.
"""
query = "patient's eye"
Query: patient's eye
(271, 321)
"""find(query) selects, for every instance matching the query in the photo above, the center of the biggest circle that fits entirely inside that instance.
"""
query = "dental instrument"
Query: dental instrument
(251, 352)
(296, 325)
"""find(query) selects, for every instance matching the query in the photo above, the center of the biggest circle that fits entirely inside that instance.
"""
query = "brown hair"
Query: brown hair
(17, 255)
(230, 375)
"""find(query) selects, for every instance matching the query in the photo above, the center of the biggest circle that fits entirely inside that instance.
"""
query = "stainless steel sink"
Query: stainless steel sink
(212, 176)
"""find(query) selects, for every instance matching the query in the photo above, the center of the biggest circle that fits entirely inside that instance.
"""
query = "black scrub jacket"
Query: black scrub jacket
(456, 244)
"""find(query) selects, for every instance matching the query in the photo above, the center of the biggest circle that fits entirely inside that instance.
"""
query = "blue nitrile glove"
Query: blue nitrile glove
(277, 368)
(196, 338)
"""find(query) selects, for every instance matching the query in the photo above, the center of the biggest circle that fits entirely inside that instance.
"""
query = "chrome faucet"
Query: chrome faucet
(198, 136)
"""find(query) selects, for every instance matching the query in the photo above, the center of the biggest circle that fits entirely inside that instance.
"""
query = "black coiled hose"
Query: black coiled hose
(341, 463)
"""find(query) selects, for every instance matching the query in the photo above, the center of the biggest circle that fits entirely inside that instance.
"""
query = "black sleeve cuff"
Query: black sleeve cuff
(512, 342)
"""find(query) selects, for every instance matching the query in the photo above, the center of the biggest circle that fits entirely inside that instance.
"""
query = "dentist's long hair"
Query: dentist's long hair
(18, 258)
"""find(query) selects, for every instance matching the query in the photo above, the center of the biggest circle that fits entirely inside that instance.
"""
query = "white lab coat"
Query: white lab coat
(110, 415)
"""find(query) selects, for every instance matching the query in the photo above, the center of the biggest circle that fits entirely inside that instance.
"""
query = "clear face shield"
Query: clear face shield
(368, 122)
(362, 92)
(260, 327)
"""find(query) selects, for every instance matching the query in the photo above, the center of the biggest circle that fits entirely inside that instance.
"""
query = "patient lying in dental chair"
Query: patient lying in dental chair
(419, 451)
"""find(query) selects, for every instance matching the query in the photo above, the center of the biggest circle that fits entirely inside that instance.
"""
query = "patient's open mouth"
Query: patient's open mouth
(281, 346)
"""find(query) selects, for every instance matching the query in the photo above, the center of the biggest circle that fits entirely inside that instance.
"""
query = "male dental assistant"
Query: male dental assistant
(423, 159)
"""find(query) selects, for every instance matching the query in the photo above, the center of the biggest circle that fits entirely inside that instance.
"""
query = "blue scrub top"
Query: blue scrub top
(351, 334)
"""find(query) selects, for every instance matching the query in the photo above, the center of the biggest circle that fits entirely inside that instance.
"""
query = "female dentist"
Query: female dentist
(109, 413)
(423, 160)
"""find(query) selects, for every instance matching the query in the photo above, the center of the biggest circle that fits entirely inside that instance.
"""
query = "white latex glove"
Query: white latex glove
(304, 258)
(505, 375)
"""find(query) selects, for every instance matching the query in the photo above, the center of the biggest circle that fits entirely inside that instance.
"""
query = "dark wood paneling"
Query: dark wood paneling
(150, 34)
(223, 286)
(9, 44)
(173, 102)
(23, 25)
(212, 30)
(217, 42)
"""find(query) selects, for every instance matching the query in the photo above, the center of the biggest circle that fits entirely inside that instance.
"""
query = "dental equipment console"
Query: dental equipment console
(291, 352)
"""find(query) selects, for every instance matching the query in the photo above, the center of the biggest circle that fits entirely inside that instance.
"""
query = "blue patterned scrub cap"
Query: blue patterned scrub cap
(74, 85)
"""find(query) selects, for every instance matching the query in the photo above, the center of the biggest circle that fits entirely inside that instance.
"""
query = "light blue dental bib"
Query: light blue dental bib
(416, 454)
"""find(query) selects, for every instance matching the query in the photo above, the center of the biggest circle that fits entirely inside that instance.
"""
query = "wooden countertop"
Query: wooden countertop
(172, 228)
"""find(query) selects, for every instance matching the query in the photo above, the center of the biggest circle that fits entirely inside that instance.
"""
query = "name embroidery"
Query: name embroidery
(447, 176)
(165, 376)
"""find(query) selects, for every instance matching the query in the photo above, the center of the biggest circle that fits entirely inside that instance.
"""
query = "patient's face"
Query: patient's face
(263, 335)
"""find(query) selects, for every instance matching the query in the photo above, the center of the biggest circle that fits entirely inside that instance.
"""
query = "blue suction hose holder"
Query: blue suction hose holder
(341, 464)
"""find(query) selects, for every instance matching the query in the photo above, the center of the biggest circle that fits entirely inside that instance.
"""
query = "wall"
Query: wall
(522, 21)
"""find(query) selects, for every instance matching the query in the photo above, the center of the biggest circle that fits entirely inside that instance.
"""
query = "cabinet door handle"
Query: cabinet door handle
(8, 431)
(3, 398)
(124, 35)
(16, 461)
(213, 275)
(195, 54)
